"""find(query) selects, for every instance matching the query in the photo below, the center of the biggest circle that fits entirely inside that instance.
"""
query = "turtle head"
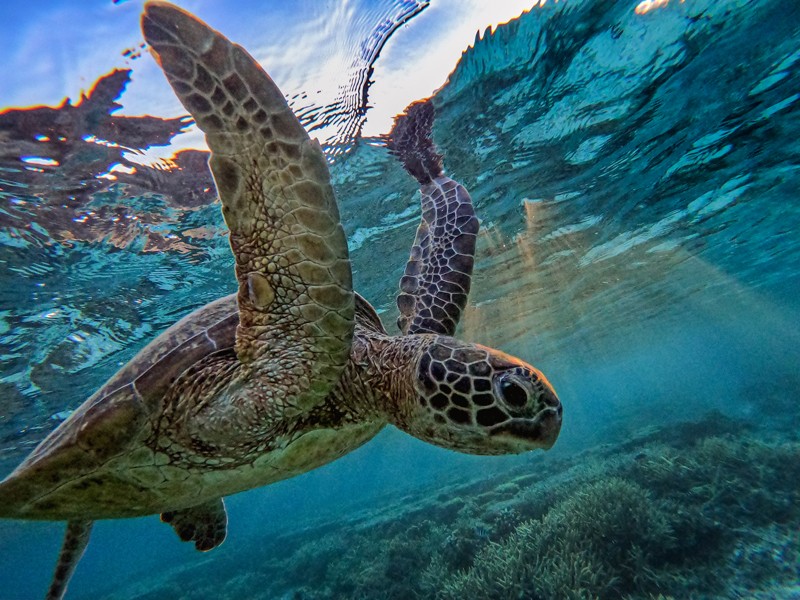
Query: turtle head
(477, 400)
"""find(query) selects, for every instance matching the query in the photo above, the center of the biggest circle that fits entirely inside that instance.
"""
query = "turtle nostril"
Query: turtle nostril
(549, 398)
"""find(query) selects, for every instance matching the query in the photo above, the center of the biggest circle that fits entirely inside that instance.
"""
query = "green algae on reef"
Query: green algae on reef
(700, 510)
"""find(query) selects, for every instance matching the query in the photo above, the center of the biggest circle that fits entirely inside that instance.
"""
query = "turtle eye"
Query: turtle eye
(513, 394)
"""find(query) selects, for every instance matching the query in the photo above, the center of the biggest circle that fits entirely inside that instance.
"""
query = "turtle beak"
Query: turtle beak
(548, 423)
(539, 431)
(550, 417)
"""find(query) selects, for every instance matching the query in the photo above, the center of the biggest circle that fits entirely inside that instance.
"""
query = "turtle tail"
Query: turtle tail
(410, 141)
(75, 540)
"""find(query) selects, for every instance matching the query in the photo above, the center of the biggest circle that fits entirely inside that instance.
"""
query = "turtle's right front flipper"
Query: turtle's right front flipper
(295, 285)
(436, 282)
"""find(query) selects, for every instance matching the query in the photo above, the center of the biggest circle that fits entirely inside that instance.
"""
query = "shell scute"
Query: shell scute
(108, 425)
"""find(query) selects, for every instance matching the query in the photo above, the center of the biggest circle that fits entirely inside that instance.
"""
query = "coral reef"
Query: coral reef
(701, 510)
(602, 540)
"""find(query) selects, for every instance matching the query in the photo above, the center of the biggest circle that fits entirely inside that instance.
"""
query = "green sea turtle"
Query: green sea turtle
(295, 369)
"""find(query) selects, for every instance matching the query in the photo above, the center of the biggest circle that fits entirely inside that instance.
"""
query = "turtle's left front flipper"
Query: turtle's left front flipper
(436, 282)
(295, 295)
(75, 540)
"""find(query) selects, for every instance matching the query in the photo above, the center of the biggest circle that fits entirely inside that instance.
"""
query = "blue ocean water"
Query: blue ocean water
(636, 176)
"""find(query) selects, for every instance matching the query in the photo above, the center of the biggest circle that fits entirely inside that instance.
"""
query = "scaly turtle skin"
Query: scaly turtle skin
(295, 369)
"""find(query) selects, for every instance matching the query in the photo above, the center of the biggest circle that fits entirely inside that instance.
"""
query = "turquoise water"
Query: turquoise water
(636, 176)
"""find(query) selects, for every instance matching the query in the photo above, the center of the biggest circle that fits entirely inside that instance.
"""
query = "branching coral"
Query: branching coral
(588, 546)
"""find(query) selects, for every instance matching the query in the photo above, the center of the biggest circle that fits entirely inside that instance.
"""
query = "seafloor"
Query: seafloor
(708, 509)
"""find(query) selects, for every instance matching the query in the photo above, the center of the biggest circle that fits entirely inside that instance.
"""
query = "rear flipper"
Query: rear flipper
(75, 540)
(206, 524)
